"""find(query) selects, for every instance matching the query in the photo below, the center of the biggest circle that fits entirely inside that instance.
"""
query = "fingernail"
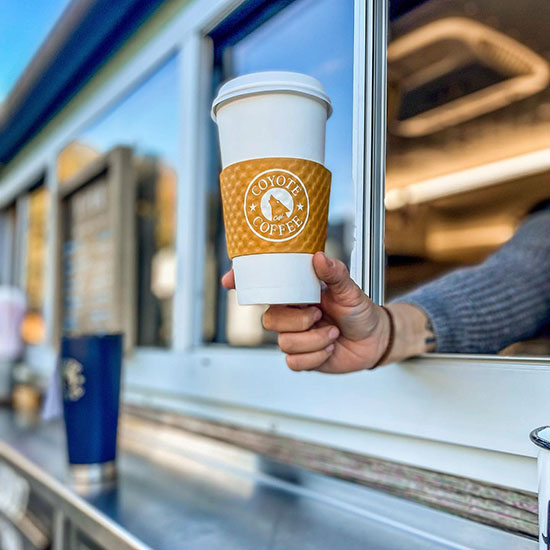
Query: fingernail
(317, 315)
(330, 263)
(333, 333)
(329, 349)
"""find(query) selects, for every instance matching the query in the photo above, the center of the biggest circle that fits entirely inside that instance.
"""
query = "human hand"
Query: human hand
(346, 332)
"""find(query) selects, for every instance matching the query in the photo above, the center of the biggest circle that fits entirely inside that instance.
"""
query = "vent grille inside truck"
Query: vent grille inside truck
(455, 69)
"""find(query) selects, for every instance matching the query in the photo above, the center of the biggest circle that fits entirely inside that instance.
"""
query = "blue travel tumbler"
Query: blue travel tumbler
(90, 367)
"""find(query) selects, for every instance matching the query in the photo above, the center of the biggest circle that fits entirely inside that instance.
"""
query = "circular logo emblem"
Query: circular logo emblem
(276, 205)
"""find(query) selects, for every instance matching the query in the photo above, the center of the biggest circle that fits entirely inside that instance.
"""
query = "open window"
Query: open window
(468, 150)
(23, 252)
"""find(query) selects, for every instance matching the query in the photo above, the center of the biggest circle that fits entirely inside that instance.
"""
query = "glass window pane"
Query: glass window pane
(325, 51)
(34, 328)
(89, 279)
(39, 201)
(468, 158)
(147, 122)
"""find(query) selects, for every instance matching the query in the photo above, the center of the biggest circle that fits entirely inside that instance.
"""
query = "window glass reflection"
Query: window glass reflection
(468, 157)
(146, 121)
(34, 328)
(23, 256)
(325, 51)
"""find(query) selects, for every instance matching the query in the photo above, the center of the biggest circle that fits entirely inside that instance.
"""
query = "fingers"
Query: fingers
(290, 319)
(336, 276)
(307, 347)
(309, 361)
(312, 340)
(228, 280)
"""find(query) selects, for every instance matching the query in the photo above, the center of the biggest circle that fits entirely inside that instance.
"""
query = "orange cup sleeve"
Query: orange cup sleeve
(275, 205)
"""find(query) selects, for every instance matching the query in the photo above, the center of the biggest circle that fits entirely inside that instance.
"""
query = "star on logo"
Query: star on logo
(252, 207)
(300, 206)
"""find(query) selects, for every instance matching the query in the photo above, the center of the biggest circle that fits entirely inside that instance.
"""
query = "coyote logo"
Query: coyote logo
(276, 205)
(278, 209)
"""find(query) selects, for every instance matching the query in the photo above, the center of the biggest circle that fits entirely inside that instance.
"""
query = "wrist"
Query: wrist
(412, 336)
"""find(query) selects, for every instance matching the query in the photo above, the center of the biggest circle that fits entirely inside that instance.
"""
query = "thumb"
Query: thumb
(337, 278)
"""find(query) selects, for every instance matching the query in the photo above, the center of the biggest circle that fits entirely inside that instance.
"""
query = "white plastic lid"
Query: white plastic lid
(271, 81)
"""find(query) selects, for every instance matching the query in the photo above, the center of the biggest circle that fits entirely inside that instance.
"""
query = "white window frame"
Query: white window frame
(467, 415)
(6, 247)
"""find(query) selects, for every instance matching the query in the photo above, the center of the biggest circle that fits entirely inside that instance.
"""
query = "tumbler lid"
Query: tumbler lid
(541, 437)
(271, 81)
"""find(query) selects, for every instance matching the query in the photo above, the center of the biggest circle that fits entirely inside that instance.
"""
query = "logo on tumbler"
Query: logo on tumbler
(276, 205)
(73, 380)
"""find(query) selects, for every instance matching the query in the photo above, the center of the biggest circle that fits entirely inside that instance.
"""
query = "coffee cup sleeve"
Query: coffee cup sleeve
(275, 205)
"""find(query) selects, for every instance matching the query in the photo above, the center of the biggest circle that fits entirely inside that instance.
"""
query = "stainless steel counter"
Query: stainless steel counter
(207, 495)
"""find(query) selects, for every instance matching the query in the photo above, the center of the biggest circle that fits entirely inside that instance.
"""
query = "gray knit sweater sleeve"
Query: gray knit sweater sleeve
(485, 308)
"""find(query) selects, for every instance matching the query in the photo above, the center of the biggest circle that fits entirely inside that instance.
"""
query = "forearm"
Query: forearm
(413, 332)
(506, 299)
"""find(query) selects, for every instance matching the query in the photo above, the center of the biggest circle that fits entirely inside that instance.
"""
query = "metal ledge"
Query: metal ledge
(179, 490)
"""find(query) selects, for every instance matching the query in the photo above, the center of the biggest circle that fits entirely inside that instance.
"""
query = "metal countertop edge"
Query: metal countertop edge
(328, 499)
(111, 534)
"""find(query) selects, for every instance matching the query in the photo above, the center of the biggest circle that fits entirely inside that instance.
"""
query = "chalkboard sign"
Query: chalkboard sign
(96, 248)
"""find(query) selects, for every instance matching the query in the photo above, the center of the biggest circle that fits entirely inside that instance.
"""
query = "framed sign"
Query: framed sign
(96, 248)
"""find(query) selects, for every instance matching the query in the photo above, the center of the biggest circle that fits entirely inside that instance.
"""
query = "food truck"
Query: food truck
(111, 221)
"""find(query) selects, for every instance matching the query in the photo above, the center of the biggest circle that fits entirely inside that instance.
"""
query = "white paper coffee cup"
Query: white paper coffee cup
(273, 115)
(541, 438)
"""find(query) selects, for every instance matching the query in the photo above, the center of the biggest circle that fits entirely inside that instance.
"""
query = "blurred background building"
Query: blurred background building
(93, 195)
